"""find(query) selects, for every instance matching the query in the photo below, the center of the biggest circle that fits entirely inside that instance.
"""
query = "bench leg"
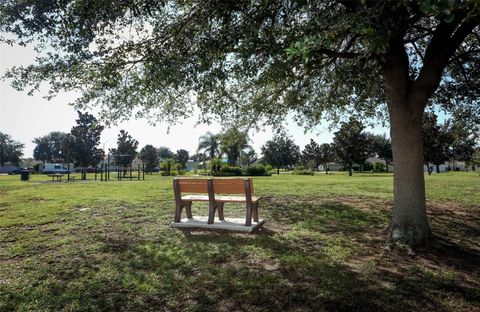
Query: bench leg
(220, 211)
(188, 208)
(211, 213)
(248, 221)
(255, 212)
(178, 212)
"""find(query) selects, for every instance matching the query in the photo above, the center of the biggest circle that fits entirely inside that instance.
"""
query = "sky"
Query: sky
(26, 117)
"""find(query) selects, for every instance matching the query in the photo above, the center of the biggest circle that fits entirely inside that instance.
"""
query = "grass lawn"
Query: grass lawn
(108, 246)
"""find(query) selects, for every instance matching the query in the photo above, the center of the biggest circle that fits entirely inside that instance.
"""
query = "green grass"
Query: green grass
(108, 246)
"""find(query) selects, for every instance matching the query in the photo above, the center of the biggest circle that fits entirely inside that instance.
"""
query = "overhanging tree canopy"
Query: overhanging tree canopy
(262, 60)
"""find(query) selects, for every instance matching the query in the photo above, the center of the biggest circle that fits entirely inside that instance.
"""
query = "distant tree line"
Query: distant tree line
(352, 145)
(448, 141)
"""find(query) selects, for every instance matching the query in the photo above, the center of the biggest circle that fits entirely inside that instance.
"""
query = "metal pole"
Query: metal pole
(138, 172)
(143, 171)
(130, 172)
(101, 172)
(108, 167)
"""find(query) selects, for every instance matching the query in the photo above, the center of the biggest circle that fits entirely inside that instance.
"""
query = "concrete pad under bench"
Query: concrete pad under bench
(231, 224)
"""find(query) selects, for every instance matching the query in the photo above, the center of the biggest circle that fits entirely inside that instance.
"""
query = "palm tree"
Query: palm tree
(233, 143)
(209, 144)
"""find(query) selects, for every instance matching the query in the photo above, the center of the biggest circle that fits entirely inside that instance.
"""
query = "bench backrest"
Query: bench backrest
(220, 186)
(192, 185)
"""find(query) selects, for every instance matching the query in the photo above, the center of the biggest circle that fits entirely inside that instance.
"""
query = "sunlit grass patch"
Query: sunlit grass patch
(108, 246)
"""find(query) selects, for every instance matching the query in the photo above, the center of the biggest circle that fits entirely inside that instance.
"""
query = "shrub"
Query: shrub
(216, 165)
(303, 172)
(167, 166)
(229, 171)
(367, 166)
(379, 167)
(257, 170)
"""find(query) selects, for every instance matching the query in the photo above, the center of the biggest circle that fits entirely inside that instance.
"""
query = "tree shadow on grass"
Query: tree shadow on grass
(271, 271)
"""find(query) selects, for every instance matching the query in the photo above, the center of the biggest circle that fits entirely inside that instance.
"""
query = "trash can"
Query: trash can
(24, 175)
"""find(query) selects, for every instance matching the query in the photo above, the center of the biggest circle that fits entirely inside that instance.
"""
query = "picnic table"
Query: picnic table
(57, 176)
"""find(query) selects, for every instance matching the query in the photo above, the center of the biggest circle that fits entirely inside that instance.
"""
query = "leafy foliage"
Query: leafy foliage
(327, 155)
(436, 141)
(198, 157)
(257, 170)
(300, 170)
(168, 165)
(230, 171)
(281, 151)
(451, 140)
(240, 59)
(10, 150)
(49, 147)
(164, 153)
(351, 144)
(464, 141)
(311, 155)
(382, 148)
(181, 157)
(247, 157)
(126, 150)
(233, 142)
(82, 141)
(149, 155)
(209, 144)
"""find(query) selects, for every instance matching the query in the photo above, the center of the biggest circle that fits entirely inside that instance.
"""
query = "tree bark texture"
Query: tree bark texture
(409, 224)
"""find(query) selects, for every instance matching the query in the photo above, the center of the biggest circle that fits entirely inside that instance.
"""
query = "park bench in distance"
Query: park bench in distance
(216, 192)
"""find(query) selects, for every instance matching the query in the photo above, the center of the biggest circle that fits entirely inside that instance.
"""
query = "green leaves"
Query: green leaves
(234, 63)
(440, 9)
(300, 49)
(10, 150)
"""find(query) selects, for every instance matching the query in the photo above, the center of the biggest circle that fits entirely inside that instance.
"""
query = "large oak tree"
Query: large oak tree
(81, 144)
(257, 61)
(10, 150)
(49, 147)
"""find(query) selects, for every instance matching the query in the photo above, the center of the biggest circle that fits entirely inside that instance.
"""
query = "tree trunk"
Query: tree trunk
(438, 168)
(386, 165)
(409, 224)
(350, 170)
(278, 170)
(360, 169)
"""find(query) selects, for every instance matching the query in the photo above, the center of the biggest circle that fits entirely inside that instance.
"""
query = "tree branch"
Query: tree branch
(445, 41)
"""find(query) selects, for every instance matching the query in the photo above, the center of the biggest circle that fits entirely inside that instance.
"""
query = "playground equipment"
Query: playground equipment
(123, 172)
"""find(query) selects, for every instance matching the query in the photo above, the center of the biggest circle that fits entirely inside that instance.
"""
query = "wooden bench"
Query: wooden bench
(208, 190)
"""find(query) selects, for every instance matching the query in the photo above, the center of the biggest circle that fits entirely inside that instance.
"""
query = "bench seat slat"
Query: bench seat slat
(219, 198)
